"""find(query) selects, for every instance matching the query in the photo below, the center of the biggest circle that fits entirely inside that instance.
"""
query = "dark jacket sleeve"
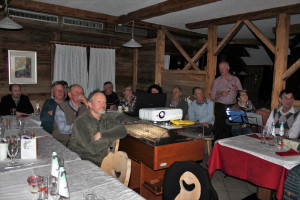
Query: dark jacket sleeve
(24, 105)
(6, 104)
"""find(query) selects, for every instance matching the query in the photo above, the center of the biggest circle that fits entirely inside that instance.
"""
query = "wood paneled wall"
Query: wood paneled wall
(38, 39)
(184, 80)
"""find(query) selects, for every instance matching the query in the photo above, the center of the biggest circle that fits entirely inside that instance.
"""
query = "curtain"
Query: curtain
(70, 64)
(102, 68)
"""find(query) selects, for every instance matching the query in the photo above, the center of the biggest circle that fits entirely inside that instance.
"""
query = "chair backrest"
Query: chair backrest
(114, 147)
(118, 165)
(187, 180)
(291, 189)
(190, 187)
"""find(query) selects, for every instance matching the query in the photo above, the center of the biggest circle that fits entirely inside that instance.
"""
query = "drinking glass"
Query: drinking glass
(13, 111)
(264, 133)
(2, 131)
(12, 149)
(8, 123)
(43, 189)
(21, 124)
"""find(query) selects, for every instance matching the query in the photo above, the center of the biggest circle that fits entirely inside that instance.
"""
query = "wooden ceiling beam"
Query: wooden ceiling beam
(162, 9)
(179, 47)
(256, 15)
(196, 56)
(235, 29)
(294, 29)
(260, 35)
(291, 70)
(61, 10)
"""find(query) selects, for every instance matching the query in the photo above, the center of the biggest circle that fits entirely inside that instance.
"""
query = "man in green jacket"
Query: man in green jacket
(94, 131)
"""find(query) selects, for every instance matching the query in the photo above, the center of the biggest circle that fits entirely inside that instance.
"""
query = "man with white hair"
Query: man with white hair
(66, 112)
(94, 131)
(223, 92)
(48, 110)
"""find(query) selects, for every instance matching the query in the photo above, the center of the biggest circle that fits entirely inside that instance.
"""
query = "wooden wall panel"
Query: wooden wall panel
(185, 81)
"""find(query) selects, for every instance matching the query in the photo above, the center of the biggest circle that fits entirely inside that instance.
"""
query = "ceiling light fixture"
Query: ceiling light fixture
(132, 43)
(7, 22)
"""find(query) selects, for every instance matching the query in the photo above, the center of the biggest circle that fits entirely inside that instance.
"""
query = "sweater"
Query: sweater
(82, 138)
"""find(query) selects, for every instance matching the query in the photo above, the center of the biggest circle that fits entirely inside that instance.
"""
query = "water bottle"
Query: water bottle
(280, 136)
(272, 135)
(54, 174)
(63, 190)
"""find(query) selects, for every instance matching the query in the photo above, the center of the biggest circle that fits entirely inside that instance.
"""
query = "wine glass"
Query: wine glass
(12, 149)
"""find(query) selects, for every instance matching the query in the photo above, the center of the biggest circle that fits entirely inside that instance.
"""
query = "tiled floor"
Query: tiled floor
(229, 188)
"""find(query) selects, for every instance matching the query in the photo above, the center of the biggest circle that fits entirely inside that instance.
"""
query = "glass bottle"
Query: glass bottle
(54, 174)
(63, 190)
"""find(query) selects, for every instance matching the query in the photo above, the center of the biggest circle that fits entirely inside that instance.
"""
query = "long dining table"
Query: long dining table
(83, 177)
(246, 158)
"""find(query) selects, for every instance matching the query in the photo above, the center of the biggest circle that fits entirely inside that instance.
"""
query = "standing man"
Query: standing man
(202, 111)
(15, 100)
(176, 102)
(66, 112)
(94, 131)
(223, 92)
(287, 114)
(47, 114)
(112, 99)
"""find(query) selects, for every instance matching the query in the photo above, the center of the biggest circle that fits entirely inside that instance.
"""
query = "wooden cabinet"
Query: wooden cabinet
(150, 161)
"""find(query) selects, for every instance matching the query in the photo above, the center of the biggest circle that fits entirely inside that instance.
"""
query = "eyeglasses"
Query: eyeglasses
(244, 95)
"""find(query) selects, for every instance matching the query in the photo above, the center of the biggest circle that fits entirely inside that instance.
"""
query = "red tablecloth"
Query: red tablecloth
(248, 167)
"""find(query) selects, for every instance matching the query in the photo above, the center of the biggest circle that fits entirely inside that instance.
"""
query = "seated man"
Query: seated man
(15, 100)
(66, 112)
(112, 99)
(94, 131)
(202, 111)
(176, 102)
(287, 114)
(47, 114)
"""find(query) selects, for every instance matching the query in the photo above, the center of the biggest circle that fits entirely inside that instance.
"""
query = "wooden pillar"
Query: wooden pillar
(135, 57)
(211, 58)
(160, 55)
(281, 56)
(56, 37)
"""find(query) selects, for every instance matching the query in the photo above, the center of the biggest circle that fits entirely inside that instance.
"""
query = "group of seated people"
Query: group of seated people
(82, 124)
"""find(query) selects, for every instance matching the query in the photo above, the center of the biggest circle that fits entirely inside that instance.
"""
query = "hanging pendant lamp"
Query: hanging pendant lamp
(7, 22)
(132, 43)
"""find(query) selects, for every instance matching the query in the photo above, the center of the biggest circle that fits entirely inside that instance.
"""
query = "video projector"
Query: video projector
(160, 114)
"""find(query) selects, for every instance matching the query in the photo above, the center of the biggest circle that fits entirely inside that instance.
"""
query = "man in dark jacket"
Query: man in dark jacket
(94, 131)
(15, 100)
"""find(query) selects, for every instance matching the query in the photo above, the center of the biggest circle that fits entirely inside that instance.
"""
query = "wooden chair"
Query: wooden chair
(188, 179)
(118, 165)
(208, 144)
(114, 147)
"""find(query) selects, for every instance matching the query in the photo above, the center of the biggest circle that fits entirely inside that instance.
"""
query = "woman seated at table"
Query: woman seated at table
(154, 89)
(128, 99)
(243, 105)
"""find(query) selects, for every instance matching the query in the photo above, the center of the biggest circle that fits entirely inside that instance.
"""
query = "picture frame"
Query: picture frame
(22, 67)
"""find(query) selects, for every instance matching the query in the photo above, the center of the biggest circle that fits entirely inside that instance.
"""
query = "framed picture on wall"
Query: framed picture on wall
(22, 68)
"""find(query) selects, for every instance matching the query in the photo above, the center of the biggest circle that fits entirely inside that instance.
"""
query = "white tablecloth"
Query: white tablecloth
(82, 176)
(264, 151)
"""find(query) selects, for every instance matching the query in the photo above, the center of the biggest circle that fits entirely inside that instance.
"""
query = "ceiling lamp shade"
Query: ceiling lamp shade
(7, 22)
(242, 73)
(132, 43)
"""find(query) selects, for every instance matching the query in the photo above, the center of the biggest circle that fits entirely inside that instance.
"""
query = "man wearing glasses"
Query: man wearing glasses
(287, 114)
